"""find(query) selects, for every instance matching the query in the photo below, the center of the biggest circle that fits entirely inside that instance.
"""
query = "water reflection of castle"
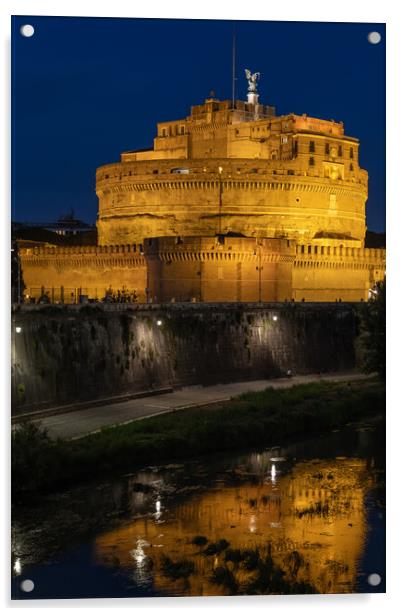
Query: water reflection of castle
(316, 509)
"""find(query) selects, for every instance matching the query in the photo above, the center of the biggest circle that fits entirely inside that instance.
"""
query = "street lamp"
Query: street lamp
(220, 169)
(259, 269)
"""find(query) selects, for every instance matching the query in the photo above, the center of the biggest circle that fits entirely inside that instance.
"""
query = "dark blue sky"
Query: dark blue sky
(86, 89)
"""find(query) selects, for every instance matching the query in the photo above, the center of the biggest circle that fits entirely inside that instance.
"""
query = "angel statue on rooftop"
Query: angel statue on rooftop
(252, 80)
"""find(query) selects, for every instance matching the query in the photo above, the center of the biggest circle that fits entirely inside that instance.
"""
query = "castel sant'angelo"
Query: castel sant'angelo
(233, 204)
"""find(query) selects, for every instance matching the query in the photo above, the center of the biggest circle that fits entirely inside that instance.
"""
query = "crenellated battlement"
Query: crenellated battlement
(128, 249)
(319, 253)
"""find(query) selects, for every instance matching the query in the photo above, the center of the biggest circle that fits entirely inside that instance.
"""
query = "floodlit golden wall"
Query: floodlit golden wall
(213, 269)
(205, 269)
(65, 273)
(255, 202)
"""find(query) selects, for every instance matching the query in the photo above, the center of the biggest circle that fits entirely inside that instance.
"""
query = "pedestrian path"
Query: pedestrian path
(86, 421)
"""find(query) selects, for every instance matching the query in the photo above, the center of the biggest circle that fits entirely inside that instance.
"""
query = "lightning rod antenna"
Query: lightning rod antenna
(233, 64)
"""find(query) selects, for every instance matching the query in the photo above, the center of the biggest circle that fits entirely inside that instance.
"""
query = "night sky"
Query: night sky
(86, 89)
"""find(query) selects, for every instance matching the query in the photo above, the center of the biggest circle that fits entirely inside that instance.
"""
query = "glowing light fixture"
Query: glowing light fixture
(17, 566)
(159, 322)
(275, 318)
(273, 473)
(18, 329)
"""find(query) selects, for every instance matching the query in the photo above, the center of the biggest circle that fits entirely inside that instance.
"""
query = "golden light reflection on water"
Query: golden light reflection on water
(315, 509)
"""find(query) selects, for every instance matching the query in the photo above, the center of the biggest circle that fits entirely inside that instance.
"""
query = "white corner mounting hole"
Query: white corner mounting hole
(27, 585)
(374, 38)
(27, 30)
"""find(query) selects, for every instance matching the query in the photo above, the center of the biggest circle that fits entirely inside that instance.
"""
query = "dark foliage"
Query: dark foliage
(373, 334)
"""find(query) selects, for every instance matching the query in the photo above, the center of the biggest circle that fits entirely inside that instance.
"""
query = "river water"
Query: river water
(317, 503)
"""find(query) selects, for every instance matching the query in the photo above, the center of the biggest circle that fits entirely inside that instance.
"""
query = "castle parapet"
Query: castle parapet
(367, 256)
(123, 249)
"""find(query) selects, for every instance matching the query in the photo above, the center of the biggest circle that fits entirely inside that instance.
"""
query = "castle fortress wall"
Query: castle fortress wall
(65, 273)
(205, 269)
(250, 197)
(232, 269)
(336, 272)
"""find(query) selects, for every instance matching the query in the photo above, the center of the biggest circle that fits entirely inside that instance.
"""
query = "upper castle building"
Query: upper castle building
(232, 203)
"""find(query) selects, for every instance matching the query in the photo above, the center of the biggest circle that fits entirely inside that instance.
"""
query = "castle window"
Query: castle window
(339, 150)
(155, 171)
(180, 170)
(295, 148)
(327, 149)
(311, 161)
(309, 250)
(291, 172)
(351, 153)
(351, 168)
(164, 132)
(284, 139)
(312, 146)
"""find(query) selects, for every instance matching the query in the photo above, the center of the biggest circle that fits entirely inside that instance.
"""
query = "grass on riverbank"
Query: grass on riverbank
(254, 419)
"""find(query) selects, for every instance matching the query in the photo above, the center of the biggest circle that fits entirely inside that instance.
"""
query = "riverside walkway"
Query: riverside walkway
(79, 423)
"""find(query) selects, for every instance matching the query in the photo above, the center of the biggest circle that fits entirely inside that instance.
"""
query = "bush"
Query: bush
(372, 339)
(199, 540)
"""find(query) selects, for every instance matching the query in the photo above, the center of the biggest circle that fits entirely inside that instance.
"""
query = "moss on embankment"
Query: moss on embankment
(254, 419)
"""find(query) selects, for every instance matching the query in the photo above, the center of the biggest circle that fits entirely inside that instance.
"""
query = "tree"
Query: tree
(372, 336)
(17, 282)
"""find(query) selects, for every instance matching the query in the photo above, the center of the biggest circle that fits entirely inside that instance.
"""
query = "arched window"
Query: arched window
(180, 170)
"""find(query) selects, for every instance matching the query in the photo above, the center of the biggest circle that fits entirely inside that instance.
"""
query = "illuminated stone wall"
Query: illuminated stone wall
(219, 269)
(139, 200)
(65, 273)
(206, 269)
(336, 272)
(67, 354)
